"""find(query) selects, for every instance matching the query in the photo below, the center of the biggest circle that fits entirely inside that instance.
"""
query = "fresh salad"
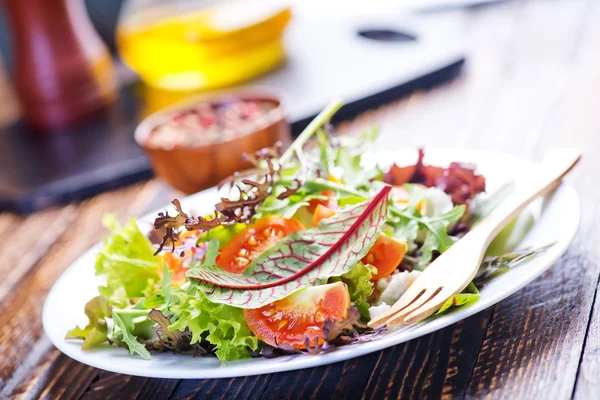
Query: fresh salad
(300, 253)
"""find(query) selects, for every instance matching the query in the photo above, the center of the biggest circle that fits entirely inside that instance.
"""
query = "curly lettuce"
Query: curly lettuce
(126, 261)
(218, 324)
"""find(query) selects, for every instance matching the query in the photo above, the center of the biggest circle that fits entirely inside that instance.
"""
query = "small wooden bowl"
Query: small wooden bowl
(191, 169)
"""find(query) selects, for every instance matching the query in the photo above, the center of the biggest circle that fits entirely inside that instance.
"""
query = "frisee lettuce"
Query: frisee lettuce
(218, 324)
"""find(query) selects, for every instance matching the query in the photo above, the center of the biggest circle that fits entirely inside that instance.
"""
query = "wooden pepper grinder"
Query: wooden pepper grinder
(62, 71)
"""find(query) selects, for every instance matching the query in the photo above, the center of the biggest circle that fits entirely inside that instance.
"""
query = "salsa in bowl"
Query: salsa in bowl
(193, 145)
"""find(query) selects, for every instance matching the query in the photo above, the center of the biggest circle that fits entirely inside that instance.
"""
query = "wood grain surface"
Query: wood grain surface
(532, 83)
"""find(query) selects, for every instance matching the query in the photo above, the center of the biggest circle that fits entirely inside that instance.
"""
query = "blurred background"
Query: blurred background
(78, 76)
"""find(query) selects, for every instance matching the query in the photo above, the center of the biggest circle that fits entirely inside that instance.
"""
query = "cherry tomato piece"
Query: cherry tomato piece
(299, 316)
(175, 260)
(254, 240)
(385, 255)
(322, 212)
(330, 202)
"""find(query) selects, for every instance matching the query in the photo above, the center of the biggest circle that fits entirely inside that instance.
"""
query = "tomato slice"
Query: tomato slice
(385, 255)
(175, 264)
(322, 212)
(299, 316)
(330, 202)
(175, 260)
(255, 240)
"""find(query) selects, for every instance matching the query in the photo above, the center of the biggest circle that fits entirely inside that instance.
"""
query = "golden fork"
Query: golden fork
(452, 271)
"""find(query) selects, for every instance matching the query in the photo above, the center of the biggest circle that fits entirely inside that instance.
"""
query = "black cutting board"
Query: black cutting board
(366, 62)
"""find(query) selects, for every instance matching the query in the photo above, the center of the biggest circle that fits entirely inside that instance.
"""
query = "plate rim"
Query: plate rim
(230, 370)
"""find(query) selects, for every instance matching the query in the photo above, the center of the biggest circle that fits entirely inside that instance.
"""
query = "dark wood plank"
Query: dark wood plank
(62, 378)
(535, 339)
(588, 378)
(513, 122)
(249, 387)
(116, 386)
(499, 131)
(531, 85)
(25, 245)
(344, 380)
(431, 366)
(530, 337)
(20, 311)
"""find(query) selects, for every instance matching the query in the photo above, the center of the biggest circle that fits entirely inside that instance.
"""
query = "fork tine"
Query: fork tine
(423, 301)
(429, 308)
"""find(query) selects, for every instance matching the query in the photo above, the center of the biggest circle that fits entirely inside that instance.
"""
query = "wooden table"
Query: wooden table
(532, 83)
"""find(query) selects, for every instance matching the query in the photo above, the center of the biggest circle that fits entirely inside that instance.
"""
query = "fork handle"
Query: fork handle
(556, 164)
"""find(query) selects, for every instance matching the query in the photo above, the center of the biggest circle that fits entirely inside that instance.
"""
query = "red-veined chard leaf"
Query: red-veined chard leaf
(301, 259)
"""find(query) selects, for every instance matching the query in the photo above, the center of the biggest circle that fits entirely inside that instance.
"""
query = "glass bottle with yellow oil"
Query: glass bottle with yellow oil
(191, 45)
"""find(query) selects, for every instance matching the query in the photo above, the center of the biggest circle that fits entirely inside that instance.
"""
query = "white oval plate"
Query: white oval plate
(557, 223)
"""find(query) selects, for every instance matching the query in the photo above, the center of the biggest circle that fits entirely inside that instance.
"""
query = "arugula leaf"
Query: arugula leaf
(129, 339)
(436, 237)
(289, 206)
(405, 229)
(468, 296)
(301, 259)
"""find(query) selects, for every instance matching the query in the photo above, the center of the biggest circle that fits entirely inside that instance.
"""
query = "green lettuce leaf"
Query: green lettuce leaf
(221, 325)
(302, 259)
(166, 284)
(511, 235)
(97, 310)
(289, 206)
(468, 296)
(212, 252)
(360, 287)
(126, 261)
(223, 233)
